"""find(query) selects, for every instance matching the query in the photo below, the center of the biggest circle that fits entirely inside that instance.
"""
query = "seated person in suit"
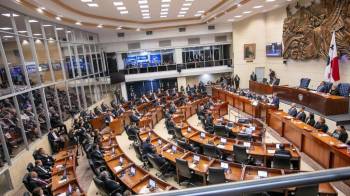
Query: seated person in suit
(310, 120)
(133, 129)
(134, 116)
(253, 76)
(96, 153)
(201, 110)
(172, 108)
(35, 181)
(46, 159)
(321, 124)
(321, 87)
(109, 117)
(157, 102)
(209, 120)
(301, 114)
(282, 151)
(293, 110)
(334, 91)
(147, 147)
(54, 138)
(120, 110)
(167, 114)
(110, 185)
(104, 107)
(275, 101)
(39, 168)
(340, 133)
(154, 96)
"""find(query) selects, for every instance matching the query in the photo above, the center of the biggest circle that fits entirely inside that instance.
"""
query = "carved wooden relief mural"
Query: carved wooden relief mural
(307, 32)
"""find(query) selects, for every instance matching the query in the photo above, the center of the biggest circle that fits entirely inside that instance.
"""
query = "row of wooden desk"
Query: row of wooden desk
(65, 163)
(234, 173)
(323, 103)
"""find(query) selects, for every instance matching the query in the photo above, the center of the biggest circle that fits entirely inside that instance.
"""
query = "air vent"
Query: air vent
(121, 34)
(91, 38)
(134, 46)
(165, 43)
(149, 32)
(182, 29)
(221, 38)
(192, 41)
(211, 27)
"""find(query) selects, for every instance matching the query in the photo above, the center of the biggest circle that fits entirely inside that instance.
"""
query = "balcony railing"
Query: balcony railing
(169, 67)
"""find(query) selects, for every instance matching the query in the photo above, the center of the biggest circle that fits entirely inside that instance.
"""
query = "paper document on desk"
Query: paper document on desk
(220, 146)
(271, 151)
(262, 174)
(118, 168)
(144, 190)
(192, 165)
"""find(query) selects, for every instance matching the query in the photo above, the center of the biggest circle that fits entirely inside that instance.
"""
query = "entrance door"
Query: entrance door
(260, 72)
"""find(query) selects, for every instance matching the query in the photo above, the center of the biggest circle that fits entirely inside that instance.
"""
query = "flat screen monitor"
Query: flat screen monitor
(274, 50)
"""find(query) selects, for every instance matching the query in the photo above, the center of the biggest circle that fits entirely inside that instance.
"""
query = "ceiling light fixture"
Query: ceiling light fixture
(78, 23)
(144, 11)
(32, 21)
(185, 8)
(187, 4)
(231, 20)
(8, 15)
(182, 12)
(258, 6)
(47, 25)
(238, 16)
(5, 28)
(58, 18)
(146, 17)
(22, 31)
(124, 12)
(119, 3)
(143, 2)
(39, 10)
(166, 1)
(144, 6)
(270, 0)
(200, 11)
(164, 9)
(163, 13)
(163, 16)
(92, 4)
(138, 29)
(7, 36)
(197, 15)
(100, 26)
(165, 5)
(59, 28)
(121, 8)
(180, 15)
(119, 28)
(247, 12)
(86, 1)
(37, 34)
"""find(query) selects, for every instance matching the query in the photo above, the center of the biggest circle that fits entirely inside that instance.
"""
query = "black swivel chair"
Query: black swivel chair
(140, 156)
(26, 182)
(220, 130)
(311, 190)
(30, 167)
(186, 146)
(183, 170)
(216, 175)
(304, 82)
(178, 133)
(240, 154)
(244, 137)
(100, 186)
(211, 151)
(281, 161)
(131, 136)
(162, 167)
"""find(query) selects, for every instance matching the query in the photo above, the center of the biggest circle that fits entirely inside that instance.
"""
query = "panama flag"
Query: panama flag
(332, 68)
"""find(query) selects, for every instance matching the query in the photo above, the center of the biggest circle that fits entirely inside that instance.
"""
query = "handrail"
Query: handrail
(259, 185)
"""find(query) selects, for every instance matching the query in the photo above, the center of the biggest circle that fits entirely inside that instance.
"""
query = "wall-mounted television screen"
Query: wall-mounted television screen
(274, 50)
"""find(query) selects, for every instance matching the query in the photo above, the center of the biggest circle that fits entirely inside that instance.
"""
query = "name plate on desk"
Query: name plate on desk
(246, 144)
(271, 151)
(262, 174)
(118, 168)
(220, 146)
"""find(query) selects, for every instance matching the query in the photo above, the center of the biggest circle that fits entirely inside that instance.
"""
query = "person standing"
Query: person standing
(253, 76)
(237, 81)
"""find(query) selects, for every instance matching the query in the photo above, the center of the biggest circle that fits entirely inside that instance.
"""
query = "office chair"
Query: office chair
(170, 129)
(186, 146)
(211, 151)
(216, 175)
(281, 161)
(240, 155)
(131, 136)
(100, 186)
(183, 170)
(328, 86)
(220, 130)
(163, 168)
(264, 81)
(96, 167)
(178, 133)
(244, 137)
(26, 182)
(30, 167)
(304, 82)
(344, 89)
(311, 190)
(140, 156)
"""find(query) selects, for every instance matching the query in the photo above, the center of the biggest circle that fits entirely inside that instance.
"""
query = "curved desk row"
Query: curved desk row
(64, 178)
(127, 172)
(235, 172)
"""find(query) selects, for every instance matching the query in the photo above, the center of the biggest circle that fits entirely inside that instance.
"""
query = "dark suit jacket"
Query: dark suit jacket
(47, 161)
(283, 152)
(342, 136)
(276, 102)
(134, 118)
(111, 185)
(321, 89)
(147, 148)
(293, 112)
(42, 172)
(51, 137)
(301, 116)
(323, 127)
(97, 155)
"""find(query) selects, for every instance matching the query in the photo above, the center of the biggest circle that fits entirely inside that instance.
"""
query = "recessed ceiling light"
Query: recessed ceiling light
(270, 0)
(231, 20)
(180, 15)
(166, 1)
(138, 29)
(163, 16)
(189, 0)
(119, 3)
(121, 8)
(47, 25)
(182, 12)
(31, 21)
(5, 28)
(78, 23)
(197, 15)
(92, 4)
(145, 14)
(239, 5)
(119, 28)
(238, 16)
(8, 15)
(58, 18)
(163, 13)
(200, 11)
(143, 2)
(69, 31)
(247, 12)
(144, 6)
(143, 11)
(86, 1)
(124, 12)
(184, 8)
(187, 4)
(258, 6)
(165, 5)
(39, 10)
(59, 28)
(22, 31)
(164, 9)
(37, 34)
(8, 36)
(146, 17)
(100, 26)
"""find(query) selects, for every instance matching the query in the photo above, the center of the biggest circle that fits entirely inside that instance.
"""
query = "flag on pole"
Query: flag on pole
(332, 68)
